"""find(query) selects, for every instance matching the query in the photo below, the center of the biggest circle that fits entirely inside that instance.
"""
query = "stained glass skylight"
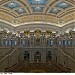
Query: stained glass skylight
(63, 5)
(12, 5)
(37, 1)
(37, 9)
(54, 10)
(20, 11)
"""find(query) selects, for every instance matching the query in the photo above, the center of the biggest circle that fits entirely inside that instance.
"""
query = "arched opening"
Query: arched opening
(37, 57)
(48, 56)
(26, 55)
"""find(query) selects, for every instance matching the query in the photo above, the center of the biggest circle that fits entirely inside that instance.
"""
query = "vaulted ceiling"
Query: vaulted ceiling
(54, 12)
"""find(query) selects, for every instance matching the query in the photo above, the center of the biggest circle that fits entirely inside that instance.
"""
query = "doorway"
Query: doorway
(37, 57)
(48, 56)
(26, 55)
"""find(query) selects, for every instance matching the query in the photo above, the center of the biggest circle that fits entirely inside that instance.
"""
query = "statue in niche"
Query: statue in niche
(37, 35)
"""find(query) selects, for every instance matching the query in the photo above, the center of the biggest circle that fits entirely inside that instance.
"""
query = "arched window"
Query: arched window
(10, 42)
(49, 54)
(26, 55)
(15, 42)
(51, 42)
(64, 42)
(6, 42)
(37, 57)
(59, 42)
(68, 42)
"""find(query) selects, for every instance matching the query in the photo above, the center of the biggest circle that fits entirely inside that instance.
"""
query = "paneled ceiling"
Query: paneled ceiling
(54, 12)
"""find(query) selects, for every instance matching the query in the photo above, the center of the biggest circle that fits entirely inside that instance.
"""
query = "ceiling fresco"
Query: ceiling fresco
(56, 12)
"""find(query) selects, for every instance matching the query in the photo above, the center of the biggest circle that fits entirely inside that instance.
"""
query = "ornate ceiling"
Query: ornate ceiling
(54, 12)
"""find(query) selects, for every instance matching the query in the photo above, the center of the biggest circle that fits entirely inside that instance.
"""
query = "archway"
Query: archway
(37, 57)
(48, 56)
(26, 55)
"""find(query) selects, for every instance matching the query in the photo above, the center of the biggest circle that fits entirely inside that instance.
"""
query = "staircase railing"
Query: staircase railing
(4, 62)
(65, 53)
(60, 67)
(7, 55)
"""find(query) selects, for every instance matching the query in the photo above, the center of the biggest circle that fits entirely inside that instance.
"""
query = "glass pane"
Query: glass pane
(64, 42)
(68, 42)
(59, 42)
(15, 43)
(51, 42)
(10, 42)
(6, 42)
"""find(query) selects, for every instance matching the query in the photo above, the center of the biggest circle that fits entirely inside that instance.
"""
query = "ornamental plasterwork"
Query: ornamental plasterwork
(54, 12)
